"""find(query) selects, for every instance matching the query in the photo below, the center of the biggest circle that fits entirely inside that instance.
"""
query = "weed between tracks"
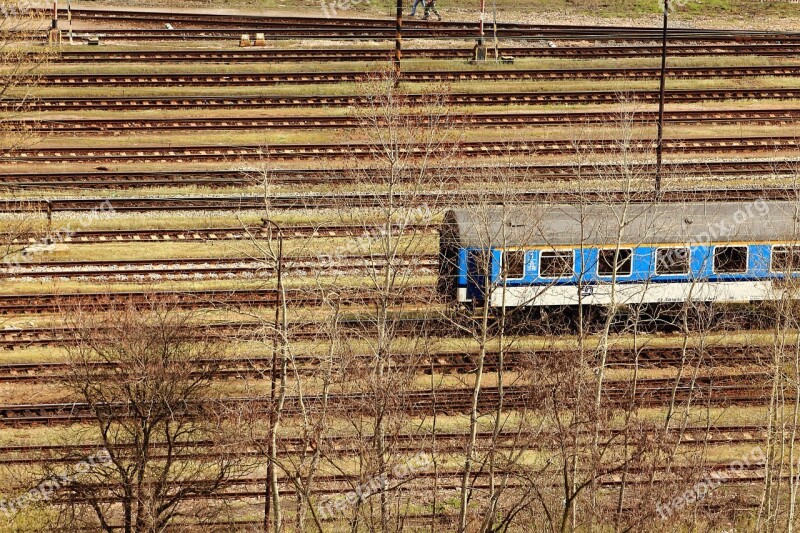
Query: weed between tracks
(324, 136)
(200, 114)
(134, 68)
(294, 248)
(343, 89)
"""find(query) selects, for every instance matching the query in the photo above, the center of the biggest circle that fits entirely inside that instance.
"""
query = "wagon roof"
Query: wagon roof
(599, 224)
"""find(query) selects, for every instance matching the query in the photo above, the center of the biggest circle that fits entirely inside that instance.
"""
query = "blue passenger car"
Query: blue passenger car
(601, 254)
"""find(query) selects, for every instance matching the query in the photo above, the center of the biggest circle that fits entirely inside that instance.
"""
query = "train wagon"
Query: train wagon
(620, 254)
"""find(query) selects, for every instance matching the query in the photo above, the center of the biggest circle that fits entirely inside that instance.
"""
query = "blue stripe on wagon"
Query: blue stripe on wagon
(643, 267)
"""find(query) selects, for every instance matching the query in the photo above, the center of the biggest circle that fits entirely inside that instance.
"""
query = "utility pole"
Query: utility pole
(661, 93)
(398, 43)
(54, 37)
(268, 495)
(479, 54)
(483, 17)
(69, 20)
(494, 28)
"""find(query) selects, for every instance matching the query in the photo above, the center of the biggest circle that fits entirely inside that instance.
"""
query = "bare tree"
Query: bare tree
(153, 405)
(21, 56)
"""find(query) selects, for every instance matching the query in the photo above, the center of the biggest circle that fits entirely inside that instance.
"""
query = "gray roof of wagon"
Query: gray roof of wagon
(599, 224)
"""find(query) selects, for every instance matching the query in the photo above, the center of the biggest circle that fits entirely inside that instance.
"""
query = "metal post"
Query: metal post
(273, 377)
(54, 37)
(69, 20)
(483, 16)
(398, 43)
(494, 29)
(662, 90)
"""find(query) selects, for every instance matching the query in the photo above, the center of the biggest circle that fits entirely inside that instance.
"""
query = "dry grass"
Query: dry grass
(134, 68)
(342, 89)
(266, 139)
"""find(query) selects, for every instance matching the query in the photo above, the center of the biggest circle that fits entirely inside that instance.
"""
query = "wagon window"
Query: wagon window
(556, 264)
(785, 259)
(672, 261)
(514, 264)
(605, 262)
(730, 259)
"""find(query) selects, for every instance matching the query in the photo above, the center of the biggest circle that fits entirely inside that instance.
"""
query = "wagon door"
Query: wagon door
(479, 268)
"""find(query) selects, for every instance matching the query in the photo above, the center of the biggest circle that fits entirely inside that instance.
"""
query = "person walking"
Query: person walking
(430, 5)
(414, 7)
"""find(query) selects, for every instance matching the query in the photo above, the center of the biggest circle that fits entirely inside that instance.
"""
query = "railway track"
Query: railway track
(484, 120)
(214, 267)
(349, 444)
(272, 55)
(159, 17)
(338, 101)
(309, 151)
(12, 339)
(334, 176)
(430, 31)
(197, 299)
(259, 367)
(186, 26)
(233, 33)
(128, 15)
(218, 234)
(377, 200)
(719, 390)
(444, 482)
(432, 76)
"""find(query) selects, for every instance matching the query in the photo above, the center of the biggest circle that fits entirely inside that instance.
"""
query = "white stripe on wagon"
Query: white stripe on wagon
(634, 293)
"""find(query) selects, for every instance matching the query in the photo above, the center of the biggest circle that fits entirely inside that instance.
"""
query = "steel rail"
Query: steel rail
(200, 299)
(101, 14)
(217, 234)
(11, 339)
(484, 120)
(258, 367)
(317, 101)
(308, 151)
(213, 267)
(272, 55)
(381, 30)
(718, 390)
(348, 444)
(350, 22)
(302, 78)
(377, 200)
(335, 176)
(430, 32)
